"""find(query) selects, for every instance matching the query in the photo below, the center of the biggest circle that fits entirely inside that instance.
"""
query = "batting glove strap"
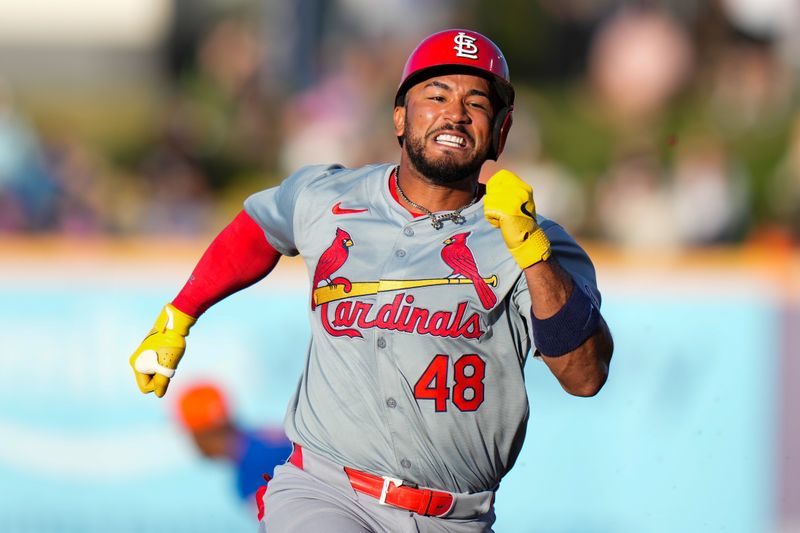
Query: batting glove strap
(173, 319)
(534, 249)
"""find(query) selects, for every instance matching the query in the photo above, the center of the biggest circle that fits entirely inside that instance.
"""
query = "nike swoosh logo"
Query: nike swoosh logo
(339, 210)
(524, 209)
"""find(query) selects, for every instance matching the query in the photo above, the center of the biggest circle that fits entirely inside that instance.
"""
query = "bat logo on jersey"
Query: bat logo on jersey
(332, 260)
(465, 46)
(350, 316)
(457, 255)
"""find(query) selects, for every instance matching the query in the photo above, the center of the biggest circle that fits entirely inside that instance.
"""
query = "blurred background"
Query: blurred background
(664, 135)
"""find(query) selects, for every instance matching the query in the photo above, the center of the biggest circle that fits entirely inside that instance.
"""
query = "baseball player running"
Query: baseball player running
(428, 291)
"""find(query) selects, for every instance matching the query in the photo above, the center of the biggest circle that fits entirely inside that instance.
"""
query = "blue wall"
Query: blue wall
(681, 438)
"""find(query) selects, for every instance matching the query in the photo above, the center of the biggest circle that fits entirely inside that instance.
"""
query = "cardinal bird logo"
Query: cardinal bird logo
(457, 255)
(332, 260)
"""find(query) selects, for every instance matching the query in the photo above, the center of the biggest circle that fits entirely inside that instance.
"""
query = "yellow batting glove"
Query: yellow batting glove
(156, 359)
(508, 205)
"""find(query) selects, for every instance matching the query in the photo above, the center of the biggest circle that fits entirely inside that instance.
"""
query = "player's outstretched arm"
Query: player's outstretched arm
(238, 257)
(569, 331)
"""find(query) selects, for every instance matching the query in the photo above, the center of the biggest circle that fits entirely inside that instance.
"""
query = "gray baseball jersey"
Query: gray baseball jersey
(419, 335)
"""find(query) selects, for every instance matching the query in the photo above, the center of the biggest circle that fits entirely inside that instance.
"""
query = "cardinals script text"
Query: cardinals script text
(399, 315)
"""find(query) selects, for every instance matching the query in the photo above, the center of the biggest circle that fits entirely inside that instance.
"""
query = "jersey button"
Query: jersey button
(392, 403)
(400, 253)
(381, 342)
(405, 463)
(408, 232)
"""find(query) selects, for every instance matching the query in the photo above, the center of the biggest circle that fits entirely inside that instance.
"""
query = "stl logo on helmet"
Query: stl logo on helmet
(465, 46)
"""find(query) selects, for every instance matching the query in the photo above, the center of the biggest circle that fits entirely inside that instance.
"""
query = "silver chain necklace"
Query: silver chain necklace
(437, 221)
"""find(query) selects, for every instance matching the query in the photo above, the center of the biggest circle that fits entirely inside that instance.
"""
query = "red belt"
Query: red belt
(391, 491)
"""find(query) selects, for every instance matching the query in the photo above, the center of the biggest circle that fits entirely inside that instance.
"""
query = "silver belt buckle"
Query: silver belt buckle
(386, 481)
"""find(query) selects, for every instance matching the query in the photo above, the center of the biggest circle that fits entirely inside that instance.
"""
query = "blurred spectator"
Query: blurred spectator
(640, 59)
(634, 205)
(750, 86)
(203, 411)
(294, 34)
(86, 200)
(27, 191)
(190, 20)
(213, 131)
(177, 188)
(702, 201)
(335, 120)
(709, 193)
(229, 60)
(323, 123)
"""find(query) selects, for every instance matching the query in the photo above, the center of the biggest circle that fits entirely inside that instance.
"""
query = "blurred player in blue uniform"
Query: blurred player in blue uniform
(203, 411)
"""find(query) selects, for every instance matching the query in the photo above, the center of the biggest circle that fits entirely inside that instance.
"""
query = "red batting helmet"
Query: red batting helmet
(463, 50)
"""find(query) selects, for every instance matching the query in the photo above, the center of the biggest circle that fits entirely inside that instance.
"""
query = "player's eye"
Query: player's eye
(479, 103)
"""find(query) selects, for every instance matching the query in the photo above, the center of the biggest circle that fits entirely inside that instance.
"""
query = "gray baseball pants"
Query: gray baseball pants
(320, 499)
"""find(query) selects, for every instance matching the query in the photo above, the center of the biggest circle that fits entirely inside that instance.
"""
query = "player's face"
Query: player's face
(446, 126)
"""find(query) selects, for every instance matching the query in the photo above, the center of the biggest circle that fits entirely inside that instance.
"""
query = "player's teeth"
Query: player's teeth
(450, 140)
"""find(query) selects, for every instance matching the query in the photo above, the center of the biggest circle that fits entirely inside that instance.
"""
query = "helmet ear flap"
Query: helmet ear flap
(502, 123)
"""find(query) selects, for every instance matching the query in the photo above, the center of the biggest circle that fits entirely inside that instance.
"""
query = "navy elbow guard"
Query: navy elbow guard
(563, 332)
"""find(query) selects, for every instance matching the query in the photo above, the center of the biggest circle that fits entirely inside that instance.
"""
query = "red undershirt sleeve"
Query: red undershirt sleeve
(237, 258)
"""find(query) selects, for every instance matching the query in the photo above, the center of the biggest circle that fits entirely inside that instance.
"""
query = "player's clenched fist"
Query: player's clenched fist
(508, 205)
(156, 359)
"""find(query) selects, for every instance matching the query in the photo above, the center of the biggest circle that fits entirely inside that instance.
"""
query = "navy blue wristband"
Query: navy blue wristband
(575, 322)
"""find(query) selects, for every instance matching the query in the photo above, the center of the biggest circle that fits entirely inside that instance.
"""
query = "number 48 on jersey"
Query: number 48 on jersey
(466, 391)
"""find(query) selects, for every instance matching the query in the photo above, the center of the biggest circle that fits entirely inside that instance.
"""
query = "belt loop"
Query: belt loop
(441, 506)
(424, 506)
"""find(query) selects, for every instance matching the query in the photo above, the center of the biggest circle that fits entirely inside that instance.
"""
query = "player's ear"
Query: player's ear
(399, 120)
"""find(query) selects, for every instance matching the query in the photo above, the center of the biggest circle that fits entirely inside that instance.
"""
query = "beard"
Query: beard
(445, 170)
